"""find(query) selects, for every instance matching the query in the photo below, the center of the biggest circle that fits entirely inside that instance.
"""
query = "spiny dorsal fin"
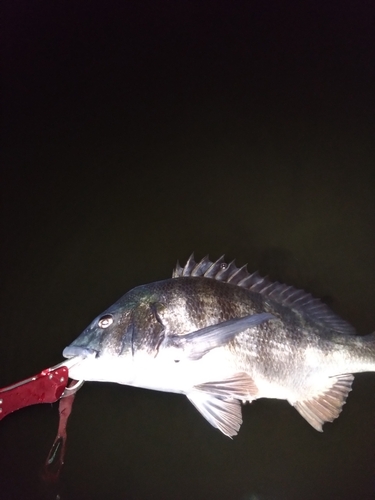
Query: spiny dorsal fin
(283, 294)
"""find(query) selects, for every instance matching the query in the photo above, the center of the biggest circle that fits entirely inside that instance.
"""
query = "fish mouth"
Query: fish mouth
(83, 352)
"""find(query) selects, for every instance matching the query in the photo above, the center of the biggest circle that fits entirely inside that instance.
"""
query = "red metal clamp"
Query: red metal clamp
(46, 387)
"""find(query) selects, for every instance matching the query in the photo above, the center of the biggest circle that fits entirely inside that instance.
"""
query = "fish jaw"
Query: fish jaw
(90, 366)
(83, 352)
(75, 358)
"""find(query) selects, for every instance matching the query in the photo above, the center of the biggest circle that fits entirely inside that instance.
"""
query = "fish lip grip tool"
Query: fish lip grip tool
(48, 386)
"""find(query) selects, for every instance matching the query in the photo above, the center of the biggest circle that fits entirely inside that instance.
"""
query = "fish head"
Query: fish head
(107, 348)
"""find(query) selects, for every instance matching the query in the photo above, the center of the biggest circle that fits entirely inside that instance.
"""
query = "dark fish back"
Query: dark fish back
(304, 304)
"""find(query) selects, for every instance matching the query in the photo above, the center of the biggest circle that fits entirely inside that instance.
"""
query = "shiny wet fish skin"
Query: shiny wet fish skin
(222, 336)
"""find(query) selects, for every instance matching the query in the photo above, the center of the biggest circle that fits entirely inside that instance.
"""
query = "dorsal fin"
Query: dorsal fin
(283, 294)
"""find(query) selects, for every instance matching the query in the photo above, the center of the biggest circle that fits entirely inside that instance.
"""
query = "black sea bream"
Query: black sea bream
(224, 337)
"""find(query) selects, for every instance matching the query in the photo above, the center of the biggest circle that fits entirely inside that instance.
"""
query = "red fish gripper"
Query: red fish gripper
(46, 387)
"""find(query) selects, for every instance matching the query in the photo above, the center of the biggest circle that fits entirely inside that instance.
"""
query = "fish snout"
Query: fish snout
(71, 351)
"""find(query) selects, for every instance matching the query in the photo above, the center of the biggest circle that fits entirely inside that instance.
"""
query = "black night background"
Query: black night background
(134, 133)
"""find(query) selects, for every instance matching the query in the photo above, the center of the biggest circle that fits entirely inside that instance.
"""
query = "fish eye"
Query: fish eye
(105, 321)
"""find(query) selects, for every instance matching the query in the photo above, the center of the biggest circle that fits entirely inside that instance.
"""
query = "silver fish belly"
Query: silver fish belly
(223, 337)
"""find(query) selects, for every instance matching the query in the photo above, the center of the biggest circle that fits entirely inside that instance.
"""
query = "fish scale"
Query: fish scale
(222, 336)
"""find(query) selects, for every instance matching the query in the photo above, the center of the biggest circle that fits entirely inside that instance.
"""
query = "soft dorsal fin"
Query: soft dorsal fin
(281, 293)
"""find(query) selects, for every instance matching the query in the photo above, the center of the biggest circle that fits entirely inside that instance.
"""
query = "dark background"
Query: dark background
(134, 133)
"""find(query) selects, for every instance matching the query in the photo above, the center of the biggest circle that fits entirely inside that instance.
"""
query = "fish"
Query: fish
(224, 337)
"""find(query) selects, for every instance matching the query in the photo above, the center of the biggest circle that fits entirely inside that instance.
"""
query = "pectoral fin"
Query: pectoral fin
(219, 401)
(327, 405)
(196, 344)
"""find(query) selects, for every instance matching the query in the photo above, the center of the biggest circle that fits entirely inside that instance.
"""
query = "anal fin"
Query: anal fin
(327, 406)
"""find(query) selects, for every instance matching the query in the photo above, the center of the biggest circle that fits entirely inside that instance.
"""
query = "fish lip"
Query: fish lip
(71, 351)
